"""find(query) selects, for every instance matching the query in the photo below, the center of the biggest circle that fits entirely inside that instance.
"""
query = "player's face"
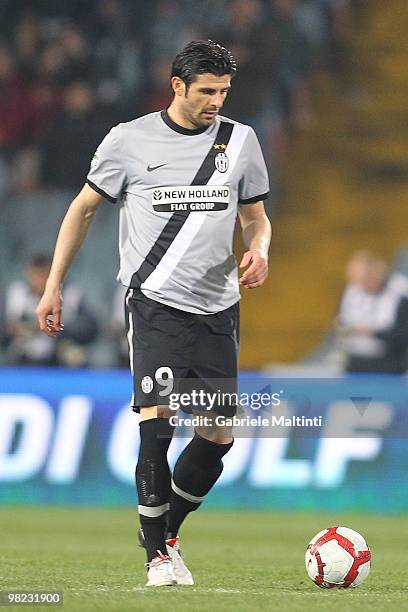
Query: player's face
(203, 100)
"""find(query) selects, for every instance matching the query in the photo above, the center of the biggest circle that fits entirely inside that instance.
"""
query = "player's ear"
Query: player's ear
(178, 86)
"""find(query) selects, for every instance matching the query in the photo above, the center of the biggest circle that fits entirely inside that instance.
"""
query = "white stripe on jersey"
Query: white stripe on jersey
(191, 227)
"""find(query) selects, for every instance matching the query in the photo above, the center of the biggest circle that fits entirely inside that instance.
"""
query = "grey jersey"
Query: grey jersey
(179, 191)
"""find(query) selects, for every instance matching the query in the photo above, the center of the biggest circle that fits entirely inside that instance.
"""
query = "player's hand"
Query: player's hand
(257, 269)
(49, 312)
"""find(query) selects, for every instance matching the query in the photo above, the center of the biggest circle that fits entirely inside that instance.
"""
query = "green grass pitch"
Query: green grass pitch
(240, 561)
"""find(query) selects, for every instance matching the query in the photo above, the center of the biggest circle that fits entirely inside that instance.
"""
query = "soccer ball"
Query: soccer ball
(338, 557)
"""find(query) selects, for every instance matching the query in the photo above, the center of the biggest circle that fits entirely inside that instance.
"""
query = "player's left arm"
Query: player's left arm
(256, 234)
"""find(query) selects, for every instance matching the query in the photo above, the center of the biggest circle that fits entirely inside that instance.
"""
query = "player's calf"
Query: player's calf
(153, 485)
(195, 473)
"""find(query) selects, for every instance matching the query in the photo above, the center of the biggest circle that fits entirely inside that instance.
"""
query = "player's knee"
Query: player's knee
(219, 435)
(214, 431)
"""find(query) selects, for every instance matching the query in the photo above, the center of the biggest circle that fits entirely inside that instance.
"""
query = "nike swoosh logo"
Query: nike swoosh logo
(151, 168)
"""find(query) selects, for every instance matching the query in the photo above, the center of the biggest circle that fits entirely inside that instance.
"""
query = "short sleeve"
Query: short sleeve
(107, 175)
(254, 185)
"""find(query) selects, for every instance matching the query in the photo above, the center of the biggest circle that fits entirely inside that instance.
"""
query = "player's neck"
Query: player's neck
(177, 117)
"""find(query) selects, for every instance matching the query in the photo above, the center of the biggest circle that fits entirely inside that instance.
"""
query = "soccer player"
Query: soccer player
(182, 175)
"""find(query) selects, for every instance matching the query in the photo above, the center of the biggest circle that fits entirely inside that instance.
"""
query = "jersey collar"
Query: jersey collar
(178, 128)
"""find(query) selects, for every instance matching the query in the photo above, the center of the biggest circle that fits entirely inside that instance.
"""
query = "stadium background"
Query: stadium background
(322, 82)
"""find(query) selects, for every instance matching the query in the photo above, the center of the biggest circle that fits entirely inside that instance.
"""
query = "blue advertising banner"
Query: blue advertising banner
(69, 437)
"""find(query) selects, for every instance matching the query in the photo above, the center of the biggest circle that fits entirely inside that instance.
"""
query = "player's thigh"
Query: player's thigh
(216, 360)
(159, 352)
(155, 412)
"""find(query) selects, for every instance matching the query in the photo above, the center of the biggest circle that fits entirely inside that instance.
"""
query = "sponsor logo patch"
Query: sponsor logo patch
(190, 198)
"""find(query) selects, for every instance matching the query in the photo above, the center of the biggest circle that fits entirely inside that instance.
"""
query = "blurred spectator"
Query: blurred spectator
(77, 56)
(373, 317)
(117, 328)
(107, 44)
(212, 15)
(310, 19)
(168, 26)
(77, 129)
(24, 343)
(294, 60)
(27, 45)
(256, 57)
(401, 261)
(251, 38)
(339, 15)
(160, 95)
(15, 110)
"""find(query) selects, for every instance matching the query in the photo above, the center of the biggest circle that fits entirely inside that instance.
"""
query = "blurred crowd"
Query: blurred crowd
(372, 323)
(71, 70)
(369, 334)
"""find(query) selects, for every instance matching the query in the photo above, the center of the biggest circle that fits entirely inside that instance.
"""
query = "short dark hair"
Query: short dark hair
(200, 57)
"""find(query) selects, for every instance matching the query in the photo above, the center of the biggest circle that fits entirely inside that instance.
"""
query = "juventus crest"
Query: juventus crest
(221, 162)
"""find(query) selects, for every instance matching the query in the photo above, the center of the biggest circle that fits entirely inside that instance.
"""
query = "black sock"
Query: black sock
(153, 482)
(196, 471)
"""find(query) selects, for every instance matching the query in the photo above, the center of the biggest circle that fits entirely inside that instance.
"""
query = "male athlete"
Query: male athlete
(182, 176)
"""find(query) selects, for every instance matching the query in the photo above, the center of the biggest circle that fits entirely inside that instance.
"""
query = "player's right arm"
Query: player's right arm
(72, 233)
